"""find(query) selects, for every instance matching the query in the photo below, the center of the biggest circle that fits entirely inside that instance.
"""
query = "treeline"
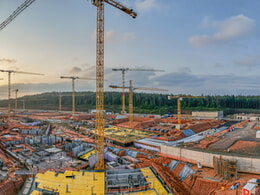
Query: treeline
(143, 102)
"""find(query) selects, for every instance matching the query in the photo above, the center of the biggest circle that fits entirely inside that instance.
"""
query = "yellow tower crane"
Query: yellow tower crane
(123, 70)
(179, 99)
(26, 100)
(60, 100)
(99, 131)
(131, 89)
(9, 86)
(15, 105)
(73, 78)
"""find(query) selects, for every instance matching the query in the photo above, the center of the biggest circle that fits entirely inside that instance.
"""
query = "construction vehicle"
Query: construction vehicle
(131, 89)
(73, 78)
(123, 70)
(9, 86)
(179, 99)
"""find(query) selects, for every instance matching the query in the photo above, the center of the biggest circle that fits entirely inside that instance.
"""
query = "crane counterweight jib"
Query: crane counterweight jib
(138, 88)
(74, 78)
(136, 69)
(21, 72)
(116, 5)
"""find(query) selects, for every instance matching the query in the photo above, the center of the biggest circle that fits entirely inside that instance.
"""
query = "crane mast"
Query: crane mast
(123, 70)
(16, 91)
(73, 78)
(99, 132)
(24, 101)
(9, 86)
(72, 93)
(99, 139)
(179, 99)
(131, 91)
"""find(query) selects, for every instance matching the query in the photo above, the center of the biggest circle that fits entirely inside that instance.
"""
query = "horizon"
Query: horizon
(140, 92)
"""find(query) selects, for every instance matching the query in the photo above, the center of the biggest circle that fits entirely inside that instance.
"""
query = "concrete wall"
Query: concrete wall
(212, 114)
(251, 165)
(257, 134)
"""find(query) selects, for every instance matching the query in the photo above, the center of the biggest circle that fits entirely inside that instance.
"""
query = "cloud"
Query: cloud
(249, 61)
(145, 5)
(89, 72)
(182, 77)
(128, 36)
(7, 61)
(112, 36)
(230, 29)
(185, 82)
(75, 70)
(217, 65)
(182, 81)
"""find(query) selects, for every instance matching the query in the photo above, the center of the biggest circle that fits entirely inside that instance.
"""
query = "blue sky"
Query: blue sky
(204, 46)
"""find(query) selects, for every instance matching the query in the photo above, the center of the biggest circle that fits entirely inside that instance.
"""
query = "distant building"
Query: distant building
(251, 117)
(208, 114)
(257, 134)
(254, 118)
(242, 117)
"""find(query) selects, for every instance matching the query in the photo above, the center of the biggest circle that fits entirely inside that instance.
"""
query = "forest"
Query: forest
(146, 103)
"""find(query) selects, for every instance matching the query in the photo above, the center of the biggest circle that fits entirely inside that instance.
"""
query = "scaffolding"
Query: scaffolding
(225, 168)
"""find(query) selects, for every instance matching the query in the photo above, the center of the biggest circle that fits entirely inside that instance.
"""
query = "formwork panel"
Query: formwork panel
(154, 182)
(72, 182)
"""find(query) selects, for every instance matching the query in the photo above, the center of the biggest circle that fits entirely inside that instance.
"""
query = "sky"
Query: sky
(209, 47)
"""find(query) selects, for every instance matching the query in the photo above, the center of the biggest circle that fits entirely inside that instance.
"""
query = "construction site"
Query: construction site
(54, 152)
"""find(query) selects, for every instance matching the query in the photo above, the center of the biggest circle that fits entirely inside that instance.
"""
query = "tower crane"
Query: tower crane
(60, 99)
(16, 91)
(73, 78)
(131, 89)
(123, 70)
(179, 99)
(26, 100)
(9, 85)
(99, 131)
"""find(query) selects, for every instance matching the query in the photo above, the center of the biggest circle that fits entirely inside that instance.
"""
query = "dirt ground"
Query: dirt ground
(246, 147)
(246, 134)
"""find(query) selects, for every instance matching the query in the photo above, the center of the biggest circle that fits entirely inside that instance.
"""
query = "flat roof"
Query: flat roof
(125, 135)
(154, 181)
(53, 150)
(74, 182)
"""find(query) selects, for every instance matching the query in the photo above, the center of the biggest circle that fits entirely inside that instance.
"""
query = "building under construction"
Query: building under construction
(139, 156)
